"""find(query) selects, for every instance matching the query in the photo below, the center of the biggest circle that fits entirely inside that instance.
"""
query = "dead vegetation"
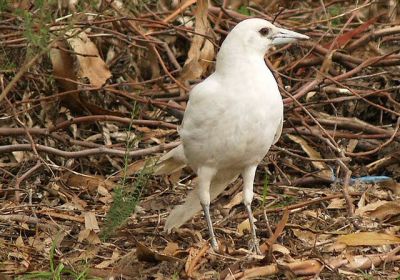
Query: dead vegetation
(92, 93)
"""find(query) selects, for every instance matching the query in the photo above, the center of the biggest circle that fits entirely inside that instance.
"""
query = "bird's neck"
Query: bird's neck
(237, 55)
(239, 62)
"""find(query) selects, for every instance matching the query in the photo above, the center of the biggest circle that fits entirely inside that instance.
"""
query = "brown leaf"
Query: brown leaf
(386, 211)
(146, 254)
(89, 235)
(171, 248)
(325, 172)
(201, 51)
(91, 221)
(243, 227)
(89, 182)
(236, 200)
(194, 258)
(391, 185)
(368, 239)
(63, 66)
(91, 65)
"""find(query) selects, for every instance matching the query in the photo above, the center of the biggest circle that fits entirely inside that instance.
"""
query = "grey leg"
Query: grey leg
(205, 176)
(248, 180)
(213, 240)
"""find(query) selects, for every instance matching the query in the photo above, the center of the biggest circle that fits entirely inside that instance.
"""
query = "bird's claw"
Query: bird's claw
(214, 245)
(254, 247)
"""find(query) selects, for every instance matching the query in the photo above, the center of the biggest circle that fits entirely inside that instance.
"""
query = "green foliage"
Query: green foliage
(6, 64)
(333, 11)
(37, 23)
(125, 200)
(175, 276)
(3, 5)
(244, 10)
(125, 197)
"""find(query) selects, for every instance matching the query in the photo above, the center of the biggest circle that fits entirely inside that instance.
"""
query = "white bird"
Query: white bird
(231, 120)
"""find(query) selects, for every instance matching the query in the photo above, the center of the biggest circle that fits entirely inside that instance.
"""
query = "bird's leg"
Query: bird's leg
(205, 175)
(248, 180)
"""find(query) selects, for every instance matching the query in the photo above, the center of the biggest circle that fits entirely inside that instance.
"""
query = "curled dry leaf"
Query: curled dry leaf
(325, 171)
(392, 185)
(386, 211)
(194, 259)
(89, 182)
(244, 227)
(63, 66)
(89, 235)
(298, 268)
(236, 200)
(91, 65)
(201, 51)
(337, 203)
(171, 249)
(148, 255)
(106, 263)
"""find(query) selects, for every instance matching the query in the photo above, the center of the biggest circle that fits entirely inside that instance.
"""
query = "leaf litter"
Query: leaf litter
(81, 123)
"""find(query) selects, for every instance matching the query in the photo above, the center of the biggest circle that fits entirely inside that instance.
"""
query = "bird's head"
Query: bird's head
(257, 35)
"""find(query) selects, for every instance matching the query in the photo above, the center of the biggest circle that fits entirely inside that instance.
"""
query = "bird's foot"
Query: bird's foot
(214, 244)
(254, 246)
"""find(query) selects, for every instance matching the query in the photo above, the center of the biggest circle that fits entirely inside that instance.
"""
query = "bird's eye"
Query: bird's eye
(264, 31)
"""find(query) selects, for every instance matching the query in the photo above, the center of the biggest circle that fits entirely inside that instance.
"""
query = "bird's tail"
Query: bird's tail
(171, 162)
(182, 213)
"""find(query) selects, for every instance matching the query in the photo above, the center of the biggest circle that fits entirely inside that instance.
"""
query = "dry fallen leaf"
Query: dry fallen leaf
(386, 211)
(171, 248)
(146, 254)
(91, 221)
(337, 203)
(91, 65)
(368, 239)
(89, 235)
(194, 258)
(244, 227)
(201, 52)
(236, 200)
(325, 171)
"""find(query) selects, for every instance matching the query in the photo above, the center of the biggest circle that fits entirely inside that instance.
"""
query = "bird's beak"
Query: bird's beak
(284, 36)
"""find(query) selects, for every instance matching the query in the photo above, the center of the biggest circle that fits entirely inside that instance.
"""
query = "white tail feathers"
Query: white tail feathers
(182, 213)
(171, 162)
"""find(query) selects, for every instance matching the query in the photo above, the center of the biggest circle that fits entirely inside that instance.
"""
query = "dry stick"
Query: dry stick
(23, 177)
(390, 140)
(134, 28)
(26, 219)
(110, 88)
(107, 118)
(310, 159)
(311, 85)
(318, 79)
(372, 36)
(23, 127)
(332, 143)
(336, 81)
(349, 135)
(88, 152)
(338, 57)
(110, 118)
(299, 205)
